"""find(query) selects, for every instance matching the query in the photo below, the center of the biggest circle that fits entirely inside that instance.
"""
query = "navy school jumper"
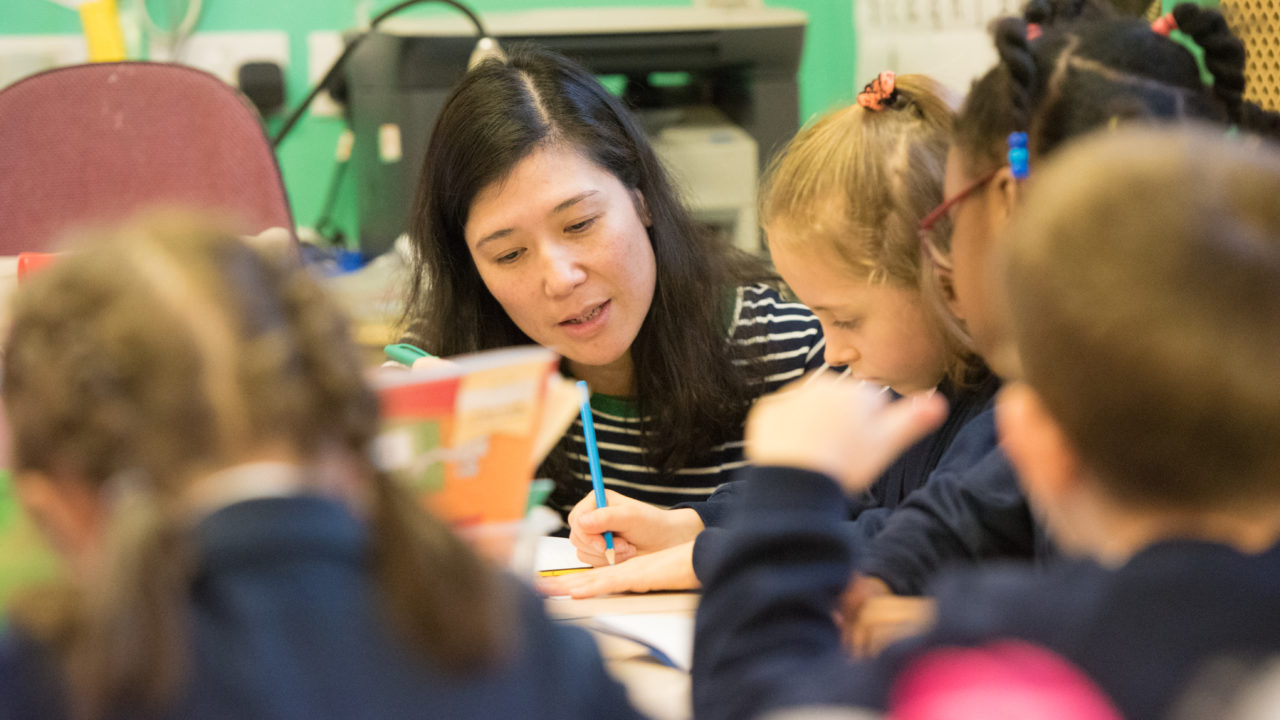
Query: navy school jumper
(1144, 633)
(285, 624)
(971, 510)
(953, 444)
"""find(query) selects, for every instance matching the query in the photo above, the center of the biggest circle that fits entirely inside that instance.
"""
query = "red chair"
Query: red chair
(91, 144)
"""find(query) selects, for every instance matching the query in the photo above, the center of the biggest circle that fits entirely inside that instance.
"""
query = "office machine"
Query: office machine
(735, 99)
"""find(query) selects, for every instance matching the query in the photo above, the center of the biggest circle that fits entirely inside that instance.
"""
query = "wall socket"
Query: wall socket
(222, 53)
(322, 49)
(219, 53)
(23, 55)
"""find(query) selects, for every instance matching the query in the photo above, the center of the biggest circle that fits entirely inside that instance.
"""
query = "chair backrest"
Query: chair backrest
(90, 144)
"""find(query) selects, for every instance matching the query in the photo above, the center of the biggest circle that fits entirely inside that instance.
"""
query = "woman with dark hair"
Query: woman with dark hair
(544, 216)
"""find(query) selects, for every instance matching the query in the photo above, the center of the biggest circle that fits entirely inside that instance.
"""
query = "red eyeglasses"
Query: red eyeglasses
(927, 245)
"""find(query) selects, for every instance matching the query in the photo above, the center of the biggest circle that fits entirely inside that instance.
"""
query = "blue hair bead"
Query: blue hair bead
(1018, 155)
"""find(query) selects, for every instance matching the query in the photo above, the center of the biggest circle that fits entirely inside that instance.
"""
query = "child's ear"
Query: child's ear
(1048, 466)
(68, 512)
(1004, 189)
(945, 284)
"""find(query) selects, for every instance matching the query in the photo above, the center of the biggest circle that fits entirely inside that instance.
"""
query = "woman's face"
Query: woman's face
(976, 223)
(881, 331)
(564, 248)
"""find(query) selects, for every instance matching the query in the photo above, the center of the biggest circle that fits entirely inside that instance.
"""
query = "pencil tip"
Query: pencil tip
(610, 556)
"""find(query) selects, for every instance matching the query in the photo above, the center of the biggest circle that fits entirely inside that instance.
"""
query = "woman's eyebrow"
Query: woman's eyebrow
(574, 200)
(497, 234)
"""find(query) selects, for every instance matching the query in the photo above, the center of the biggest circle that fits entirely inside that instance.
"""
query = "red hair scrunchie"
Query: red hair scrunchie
(879, 93)
(1164, 24)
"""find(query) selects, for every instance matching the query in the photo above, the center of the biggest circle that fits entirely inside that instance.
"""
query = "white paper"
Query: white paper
(669, 636)
(556, 553)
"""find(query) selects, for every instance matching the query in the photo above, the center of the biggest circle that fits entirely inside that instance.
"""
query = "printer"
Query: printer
(734, 99)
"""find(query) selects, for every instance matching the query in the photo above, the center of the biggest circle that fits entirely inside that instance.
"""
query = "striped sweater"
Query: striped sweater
(782, 339)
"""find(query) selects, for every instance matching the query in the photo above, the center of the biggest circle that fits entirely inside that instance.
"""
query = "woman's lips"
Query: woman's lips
(589, 321)
(586, 317)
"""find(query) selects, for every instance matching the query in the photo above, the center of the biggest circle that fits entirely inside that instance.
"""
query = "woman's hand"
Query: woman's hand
(846, 430)
(638, 527)
(669, 569)
(423, 363)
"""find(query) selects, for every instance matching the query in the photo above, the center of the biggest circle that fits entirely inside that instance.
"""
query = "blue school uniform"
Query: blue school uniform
(1143, 633)
(285, 623)
(972, 509)
(953, 447)
(909, 471)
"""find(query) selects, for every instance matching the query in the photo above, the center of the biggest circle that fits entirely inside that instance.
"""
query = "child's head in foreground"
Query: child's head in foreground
(168, 350)
(841, 204)
(142, 364)
(1142, 279)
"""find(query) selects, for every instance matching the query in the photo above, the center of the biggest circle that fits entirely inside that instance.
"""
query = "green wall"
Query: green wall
(307, 156)
(826, 76)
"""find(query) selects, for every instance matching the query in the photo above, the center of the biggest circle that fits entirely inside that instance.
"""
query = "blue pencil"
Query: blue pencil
(593, 460)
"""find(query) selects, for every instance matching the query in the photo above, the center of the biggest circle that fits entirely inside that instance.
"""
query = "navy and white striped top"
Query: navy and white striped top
(783, 339)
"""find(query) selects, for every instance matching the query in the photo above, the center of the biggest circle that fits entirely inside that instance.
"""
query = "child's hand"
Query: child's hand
(275, 242)
(871, 617)
(637, 527)
(886, 619)
(669, 569)
(845, 430)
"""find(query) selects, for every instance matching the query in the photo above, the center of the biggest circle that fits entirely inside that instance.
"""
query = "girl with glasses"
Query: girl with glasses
(1066, 69)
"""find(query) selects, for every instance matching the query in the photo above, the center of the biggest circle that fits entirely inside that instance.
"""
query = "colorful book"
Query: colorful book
(467, 434)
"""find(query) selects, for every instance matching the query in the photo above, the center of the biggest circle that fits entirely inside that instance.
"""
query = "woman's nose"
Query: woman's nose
(563, 271)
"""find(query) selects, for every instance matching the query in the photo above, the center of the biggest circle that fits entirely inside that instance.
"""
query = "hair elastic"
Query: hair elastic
(1034, 31)
(1164, 24)
(879, 93)
(1018, 155)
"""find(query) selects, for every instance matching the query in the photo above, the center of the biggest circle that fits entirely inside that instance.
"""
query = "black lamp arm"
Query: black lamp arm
(337, 65)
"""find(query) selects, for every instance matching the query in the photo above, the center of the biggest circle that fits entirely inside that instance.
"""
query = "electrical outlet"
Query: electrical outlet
(23, 55)
(222, 53)
(322, 49)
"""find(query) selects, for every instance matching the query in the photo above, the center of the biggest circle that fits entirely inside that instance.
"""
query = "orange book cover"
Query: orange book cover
(464, 434)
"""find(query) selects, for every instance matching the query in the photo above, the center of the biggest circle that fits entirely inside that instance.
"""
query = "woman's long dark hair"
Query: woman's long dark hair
(1090, 68)
(686, 384)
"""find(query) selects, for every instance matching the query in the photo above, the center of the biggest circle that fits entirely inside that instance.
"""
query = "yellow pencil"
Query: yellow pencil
(561, 571)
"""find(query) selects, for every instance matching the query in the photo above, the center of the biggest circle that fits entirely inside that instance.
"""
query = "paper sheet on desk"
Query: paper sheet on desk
(668, 636)
(556, 553)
